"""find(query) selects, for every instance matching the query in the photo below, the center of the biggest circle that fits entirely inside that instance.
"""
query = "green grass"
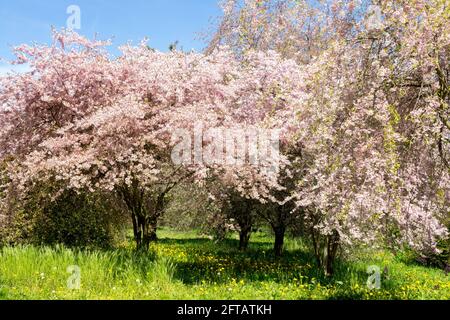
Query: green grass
(183, 265)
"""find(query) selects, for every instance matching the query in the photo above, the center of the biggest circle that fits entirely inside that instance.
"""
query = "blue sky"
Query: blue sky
(162, 21)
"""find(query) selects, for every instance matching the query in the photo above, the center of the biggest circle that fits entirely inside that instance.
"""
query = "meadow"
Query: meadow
(186, 265)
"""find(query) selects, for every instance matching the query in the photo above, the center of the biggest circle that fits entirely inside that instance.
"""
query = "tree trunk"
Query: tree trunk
(142, 242)
(325, 250)
(146, 233)
(244, 238)
(137, 236)
(145, 212)
(153, 226)
(316, 245)
(329, 265)
(332, 247)
(279, 240)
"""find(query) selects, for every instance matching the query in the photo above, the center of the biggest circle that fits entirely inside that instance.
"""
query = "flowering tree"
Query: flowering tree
(378, 139)
(371, 115)
(299, 29)
(268, 89)
(87, 122)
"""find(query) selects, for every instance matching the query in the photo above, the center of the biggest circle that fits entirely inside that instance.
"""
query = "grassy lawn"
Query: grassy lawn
(184, 265)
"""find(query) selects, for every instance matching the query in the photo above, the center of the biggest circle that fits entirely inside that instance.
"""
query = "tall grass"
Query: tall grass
(186, 266)
(42, 273)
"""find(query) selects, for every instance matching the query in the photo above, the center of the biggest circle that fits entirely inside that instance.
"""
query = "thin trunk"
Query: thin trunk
(142, 240)
(279, 240)
(146, 233)
(135, 228)
(144, 217)
(332, 247)
(153, 226)
(325, 250)
(316, 245)
(328, 258)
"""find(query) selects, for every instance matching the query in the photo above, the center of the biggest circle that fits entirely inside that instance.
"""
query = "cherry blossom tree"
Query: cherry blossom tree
(299, 29)
(89, 122)
(269, 87)
(377, 141)
(371, 117)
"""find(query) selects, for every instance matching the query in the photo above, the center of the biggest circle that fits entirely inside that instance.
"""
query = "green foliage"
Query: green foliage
(183, 265)
(78, 220)
(17, 229)
(73, 220)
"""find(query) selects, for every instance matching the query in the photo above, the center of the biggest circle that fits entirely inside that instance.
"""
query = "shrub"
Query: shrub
(75, 220)
(79, 220)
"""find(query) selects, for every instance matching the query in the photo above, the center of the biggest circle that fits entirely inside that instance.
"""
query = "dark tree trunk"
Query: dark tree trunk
(244, 238)
(142, 242)
(279, 240)
(329, 268)
(144, 219)
(136, 233)
(325, 250)
(153, 226)
(331, 253)
(146, 232)
(316, 245)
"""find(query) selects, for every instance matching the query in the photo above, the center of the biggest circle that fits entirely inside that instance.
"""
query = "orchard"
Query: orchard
(300, 120)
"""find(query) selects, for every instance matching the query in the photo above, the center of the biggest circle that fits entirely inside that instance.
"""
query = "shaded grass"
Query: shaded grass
(184, 265)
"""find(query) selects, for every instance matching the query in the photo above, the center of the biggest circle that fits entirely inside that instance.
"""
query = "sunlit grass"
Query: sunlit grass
(184, 265)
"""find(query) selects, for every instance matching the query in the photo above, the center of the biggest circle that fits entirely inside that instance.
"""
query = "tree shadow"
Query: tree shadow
(222, 262)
